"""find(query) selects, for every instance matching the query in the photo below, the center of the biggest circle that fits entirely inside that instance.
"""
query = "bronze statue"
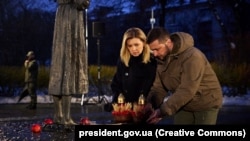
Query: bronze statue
(69, 65)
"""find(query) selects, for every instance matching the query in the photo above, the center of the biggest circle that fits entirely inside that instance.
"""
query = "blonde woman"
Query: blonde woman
(135, 67)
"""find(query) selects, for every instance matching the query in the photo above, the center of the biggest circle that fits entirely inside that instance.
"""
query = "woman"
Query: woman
(135, 68)
(68, 72)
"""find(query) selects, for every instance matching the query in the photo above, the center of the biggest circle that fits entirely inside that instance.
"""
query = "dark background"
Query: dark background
(220, 28)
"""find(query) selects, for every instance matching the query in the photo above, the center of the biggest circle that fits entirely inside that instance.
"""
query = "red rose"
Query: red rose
(85, 121)
(48, 121)
(36, 128)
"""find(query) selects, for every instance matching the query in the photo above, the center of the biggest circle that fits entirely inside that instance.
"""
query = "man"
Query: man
(184, 73)
(31, 73)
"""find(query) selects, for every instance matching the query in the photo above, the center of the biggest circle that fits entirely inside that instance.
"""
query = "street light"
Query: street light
(152, 19)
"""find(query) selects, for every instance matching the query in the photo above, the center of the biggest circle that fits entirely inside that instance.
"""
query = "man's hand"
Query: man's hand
(155, 117)
(26, 63)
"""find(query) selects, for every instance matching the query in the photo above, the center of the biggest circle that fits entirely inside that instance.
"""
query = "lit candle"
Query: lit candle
(152, 13)
(141, 100)
(121, 99)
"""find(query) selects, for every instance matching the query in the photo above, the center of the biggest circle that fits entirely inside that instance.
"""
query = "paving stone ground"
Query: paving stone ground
(16, 120)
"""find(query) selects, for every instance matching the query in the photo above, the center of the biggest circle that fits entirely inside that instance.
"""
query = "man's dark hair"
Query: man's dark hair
(157, 33)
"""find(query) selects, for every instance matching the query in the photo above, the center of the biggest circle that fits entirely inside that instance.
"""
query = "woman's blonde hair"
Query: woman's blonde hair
(134, 32)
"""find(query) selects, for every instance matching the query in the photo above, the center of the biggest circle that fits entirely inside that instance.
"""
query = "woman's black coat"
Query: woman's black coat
(133, 80)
